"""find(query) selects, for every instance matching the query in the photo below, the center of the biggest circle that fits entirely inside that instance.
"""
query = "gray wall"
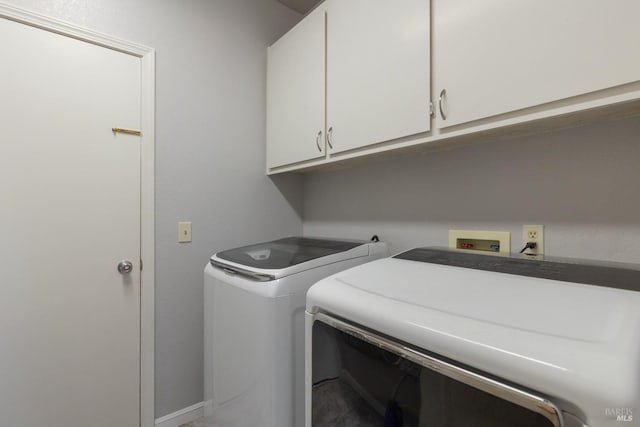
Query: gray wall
(210, 160)
(581, 183)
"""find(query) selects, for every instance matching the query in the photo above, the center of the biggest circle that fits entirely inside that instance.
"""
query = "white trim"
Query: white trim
(147, 183)
(182, 416)
(71, 30)
(147, 241)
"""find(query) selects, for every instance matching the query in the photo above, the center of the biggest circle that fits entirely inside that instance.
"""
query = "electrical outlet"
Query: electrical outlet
(533, 233)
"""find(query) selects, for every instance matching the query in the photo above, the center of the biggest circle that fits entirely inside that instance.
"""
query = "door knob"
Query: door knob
(125, 266)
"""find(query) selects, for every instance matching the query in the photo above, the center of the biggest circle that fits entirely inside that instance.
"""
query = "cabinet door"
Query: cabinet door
(378, 73)
(295, 93)
(503, 56)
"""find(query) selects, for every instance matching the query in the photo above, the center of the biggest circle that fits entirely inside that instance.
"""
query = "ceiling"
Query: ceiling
(302, 6)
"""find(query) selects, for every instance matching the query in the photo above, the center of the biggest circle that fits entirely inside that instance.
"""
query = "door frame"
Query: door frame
(147, 183)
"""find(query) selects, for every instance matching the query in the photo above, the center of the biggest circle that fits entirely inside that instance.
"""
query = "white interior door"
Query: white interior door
(70, 211)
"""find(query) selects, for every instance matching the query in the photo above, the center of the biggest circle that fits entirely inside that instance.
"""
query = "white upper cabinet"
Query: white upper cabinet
(296, 94)
(355, 77)
(378, 72)
(502, 56)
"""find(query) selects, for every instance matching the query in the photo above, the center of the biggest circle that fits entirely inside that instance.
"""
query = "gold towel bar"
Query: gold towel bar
(127, 131)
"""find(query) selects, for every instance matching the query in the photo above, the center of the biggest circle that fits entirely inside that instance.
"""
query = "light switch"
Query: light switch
(184, 232)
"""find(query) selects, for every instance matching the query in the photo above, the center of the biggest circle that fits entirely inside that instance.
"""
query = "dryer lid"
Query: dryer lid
(287, 252)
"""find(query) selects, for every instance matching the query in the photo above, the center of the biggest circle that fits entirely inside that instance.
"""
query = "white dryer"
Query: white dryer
(254, 299)
(451, 338)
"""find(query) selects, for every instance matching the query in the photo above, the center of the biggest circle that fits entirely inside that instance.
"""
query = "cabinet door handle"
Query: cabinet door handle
(330, 136)
(318, 141)
(442, 104)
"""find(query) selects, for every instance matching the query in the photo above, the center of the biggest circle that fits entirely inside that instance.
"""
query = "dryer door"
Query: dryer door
(373, 380)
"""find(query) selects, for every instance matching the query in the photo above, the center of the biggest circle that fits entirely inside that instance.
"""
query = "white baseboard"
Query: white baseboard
(182, 416)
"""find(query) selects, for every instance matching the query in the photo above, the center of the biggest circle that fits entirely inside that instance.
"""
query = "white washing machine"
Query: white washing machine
(451, 338)
(254, 299)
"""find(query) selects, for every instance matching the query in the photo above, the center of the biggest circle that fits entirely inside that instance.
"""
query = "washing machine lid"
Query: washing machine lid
(567, 329)
(290, 255)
